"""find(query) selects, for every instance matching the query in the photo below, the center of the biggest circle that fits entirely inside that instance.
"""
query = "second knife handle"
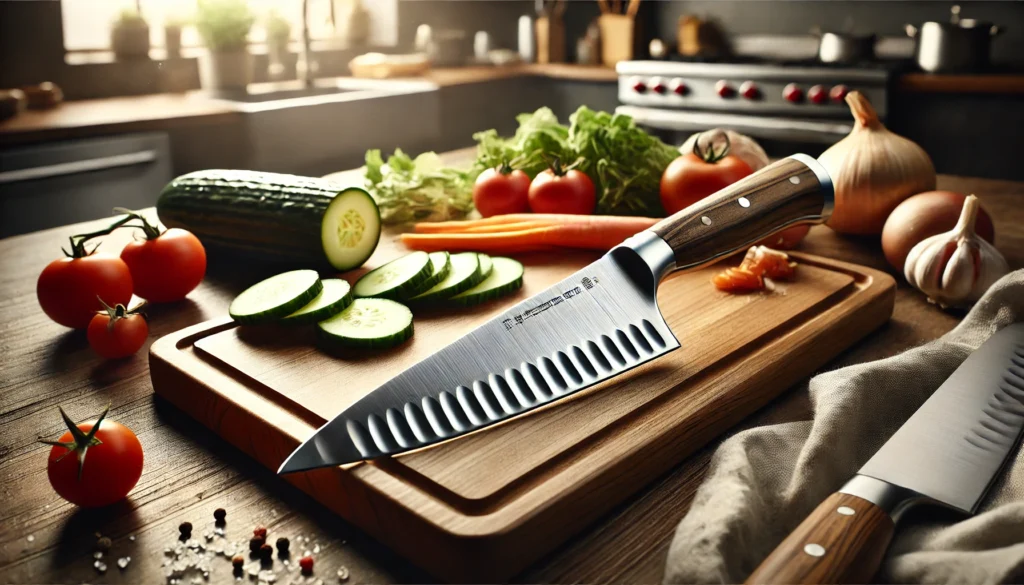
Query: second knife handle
(842, 541)
(787, 192)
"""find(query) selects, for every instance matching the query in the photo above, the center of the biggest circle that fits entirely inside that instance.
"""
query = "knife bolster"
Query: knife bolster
(892, 499)
(654, 251)
(842, 541)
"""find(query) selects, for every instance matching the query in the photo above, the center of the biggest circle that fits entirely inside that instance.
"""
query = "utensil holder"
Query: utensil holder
(550, 39)
(618, 38)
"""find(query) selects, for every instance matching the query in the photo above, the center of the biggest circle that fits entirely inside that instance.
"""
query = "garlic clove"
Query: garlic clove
(957, 267)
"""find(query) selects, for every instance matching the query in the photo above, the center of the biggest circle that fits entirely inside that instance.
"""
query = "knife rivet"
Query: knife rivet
(794, 180)
(846, 511)
(744, 202)
(815, 550)
(705, 220)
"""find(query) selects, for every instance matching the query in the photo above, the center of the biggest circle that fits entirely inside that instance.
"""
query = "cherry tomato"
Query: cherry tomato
(501, 191)
(167, 266)
(69, 289)
(694, 176)
(118, 332)
(555, 191)
(111, 468)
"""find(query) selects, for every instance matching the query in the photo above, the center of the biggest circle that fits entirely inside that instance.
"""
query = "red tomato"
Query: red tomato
(690, 178)
(111, 468)
(119, 339)
(167, 267)
(571, 192)
(69, 289)
(497, 192)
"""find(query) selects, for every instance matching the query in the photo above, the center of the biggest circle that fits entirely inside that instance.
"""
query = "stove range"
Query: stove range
(798, 101)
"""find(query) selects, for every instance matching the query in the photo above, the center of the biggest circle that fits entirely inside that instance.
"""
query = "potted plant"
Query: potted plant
(129, 36)
(224, 27)
(279, 32)
(172, 35)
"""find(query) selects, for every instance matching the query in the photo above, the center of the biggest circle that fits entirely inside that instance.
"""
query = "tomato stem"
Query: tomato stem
(505, 168)
(81, 441)
(555, 164)
(78, 241)
(152, 232)
(119, 311)
(707, 153)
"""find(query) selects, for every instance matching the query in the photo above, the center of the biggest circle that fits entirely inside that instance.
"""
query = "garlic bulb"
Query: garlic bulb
(742, 146)
(955, 268)
(873, 170)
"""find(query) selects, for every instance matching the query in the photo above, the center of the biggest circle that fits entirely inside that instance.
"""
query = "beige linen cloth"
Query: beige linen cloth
(764, 481)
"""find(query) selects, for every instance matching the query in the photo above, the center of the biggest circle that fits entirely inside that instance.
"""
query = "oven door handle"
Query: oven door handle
(780, 128)
(77, 167)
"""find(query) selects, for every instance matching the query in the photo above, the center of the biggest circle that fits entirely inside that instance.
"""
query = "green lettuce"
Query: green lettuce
(420, 189)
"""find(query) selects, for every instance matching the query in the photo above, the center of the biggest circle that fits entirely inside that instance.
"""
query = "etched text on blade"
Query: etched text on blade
(599, 322)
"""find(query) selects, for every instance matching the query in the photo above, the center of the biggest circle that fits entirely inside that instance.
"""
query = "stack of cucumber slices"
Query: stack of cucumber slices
(371, 314)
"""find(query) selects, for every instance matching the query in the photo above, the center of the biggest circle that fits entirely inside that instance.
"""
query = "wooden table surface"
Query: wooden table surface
(189, 471)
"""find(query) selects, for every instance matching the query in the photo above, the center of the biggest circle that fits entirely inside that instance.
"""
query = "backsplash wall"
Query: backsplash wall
(882, 17)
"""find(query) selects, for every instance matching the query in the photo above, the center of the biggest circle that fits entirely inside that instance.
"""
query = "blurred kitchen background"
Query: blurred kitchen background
(109, 99)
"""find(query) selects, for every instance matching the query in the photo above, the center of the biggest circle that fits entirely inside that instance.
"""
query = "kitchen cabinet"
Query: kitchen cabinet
(72, 181)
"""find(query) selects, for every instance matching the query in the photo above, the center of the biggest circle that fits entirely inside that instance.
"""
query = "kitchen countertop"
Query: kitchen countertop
(151, 112)
(189, 471)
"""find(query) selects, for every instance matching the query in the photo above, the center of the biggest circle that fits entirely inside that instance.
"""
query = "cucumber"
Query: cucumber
(273, 217)
(333, 299)
(368, 323)
(506, 276)
(275, 297)
(396, 279)
(485, 267)
(440, 264)
(463, 274)
(350, 229)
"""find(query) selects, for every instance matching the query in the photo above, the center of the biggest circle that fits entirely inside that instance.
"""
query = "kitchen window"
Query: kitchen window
(87, 24)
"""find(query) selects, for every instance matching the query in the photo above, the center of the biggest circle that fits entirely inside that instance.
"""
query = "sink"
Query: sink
(262, 97)
(284, 94)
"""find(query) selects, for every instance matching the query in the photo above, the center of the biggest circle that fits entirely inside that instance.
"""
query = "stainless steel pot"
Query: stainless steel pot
(834, 47)
(961, 45)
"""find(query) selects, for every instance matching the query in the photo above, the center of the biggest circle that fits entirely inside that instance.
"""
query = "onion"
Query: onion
(873, 170)
(740, 145)
(923, 216)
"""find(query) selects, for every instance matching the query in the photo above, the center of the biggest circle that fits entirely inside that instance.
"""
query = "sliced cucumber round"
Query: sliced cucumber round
(333, 299)
(485, 267)
(275, 297)
(370, 323)
(506, 276)
(463, 274)
(350, 229)
(396, 279)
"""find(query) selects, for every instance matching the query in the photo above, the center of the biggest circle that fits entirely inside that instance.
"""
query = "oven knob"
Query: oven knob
(639, 86)
(750, 90)
(658, 85)
(817, 94)
(793, 93)
(725, 90)
(679, 88)
(838, 93)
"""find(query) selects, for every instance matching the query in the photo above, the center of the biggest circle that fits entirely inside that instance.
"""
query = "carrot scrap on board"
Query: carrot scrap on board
(755, 272)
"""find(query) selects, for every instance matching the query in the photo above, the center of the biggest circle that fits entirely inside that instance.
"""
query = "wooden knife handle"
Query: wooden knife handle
(790, 191)
(842, 541)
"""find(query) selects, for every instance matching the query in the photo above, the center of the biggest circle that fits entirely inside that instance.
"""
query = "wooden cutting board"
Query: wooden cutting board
(484, 506)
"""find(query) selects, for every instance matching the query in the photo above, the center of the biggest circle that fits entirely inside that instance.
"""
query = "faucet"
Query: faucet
(305, 66)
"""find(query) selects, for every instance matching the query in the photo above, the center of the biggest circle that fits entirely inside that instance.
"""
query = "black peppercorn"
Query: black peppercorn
(103, 544)
(185, 528)
(255, 543)
(282, 545)
(238, 561)
(266, 552)
(219, 514)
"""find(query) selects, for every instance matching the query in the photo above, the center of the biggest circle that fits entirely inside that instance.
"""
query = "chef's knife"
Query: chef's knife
(601, 321)
(948, 453)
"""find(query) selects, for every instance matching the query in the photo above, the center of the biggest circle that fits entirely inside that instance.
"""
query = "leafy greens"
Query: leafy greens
(624, 162)
(420, 189)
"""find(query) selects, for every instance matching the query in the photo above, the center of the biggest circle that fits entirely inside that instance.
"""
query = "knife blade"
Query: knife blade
(949, 452)
(598, 323)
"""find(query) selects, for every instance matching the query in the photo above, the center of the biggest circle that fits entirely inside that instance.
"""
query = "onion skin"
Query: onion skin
(923, 216)
(873, 170)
